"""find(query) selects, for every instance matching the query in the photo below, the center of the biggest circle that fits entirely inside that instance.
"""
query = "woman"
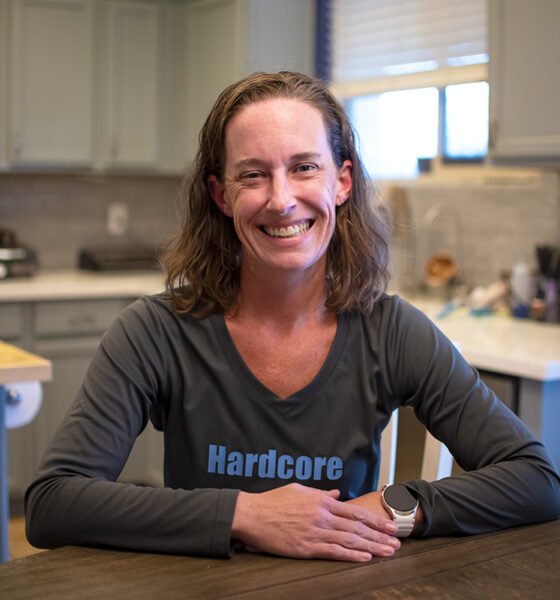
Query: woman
(273, 371)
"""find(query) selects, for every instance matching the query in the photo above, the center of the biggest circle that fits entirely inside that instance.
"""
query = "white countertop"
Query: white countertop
(75, 284)
(500, 343)
(495, 343)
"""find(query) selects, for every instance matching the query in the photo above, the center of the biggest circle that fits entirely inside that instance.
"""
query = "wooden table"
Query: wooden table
(16, 365)
(517, 563)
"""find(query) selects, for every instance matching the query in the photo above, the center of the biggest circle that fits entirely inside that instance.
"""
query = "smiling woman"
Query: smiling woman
(266, 110)
(273, 362)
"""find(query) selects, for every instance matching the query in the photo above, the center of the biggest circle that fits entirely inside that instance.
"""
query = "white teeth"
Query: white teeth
(290, 231)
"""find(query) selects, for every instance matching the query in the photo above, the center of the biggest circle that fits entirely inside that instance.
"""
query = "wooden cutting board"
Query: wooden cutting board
(17, 365)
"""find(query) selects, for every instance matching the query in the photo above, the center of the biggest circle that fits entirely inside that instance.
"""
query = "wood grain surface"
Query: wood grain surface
(517, 563)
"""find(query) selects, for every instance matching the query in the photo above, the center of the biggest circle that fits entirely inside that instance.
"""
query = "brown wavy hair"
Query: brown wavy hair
(202, 262)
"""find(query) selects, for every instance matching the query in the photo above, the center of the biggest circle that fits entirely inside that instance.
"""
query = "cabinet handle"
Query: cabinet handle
(492, 134)
(17, 146)
(114, 147)
(81, 319)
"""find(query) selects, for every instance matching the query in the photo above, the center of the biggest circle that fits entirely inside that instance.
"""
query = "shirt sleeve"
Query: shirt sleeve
(509, 478)
(75, 498)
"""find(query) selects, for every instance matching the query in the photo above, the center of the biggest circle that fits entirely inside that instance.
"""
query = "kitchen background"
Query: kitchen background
(488, 217)
(59, 214)
(489, 220)
(487, 225)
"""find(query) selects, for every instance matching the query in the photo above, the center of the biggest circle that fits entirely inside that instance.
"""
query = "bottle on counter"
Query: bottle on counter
(521, 290)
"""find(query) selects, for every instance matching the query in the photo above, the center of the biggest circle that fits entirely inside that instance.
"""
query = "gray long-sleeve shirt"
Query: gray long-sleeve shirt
(224, 431)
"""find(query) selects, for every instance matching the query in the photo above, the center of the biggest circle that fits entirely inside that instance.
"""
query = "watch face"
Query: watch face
(399, 498)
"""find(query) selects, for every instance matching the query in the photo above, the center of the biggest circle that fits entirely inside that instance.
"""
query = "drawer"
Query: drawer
(76, 317)
(11, 321)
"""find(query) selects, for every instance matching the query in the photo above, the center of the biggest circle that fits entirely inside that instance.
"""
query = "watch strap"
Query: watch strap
(405, 524)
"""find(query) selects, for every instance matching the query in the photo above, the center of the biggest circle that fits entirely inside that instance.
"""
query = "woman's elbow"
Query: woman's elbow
(549, 497)
(40, 529)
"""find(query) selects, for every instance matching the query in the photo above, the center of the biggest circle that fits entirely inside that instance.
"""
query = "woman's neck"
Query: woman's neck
(287, 299)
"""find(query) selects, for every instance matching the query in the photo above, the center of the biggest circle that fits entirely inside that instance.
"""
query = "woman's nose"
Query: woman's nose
(281, 199)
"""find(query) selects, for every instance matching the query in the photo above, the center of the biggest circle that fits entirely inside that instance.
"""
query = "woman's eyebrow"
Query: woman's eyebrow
(257, 162)
(249, 163)
(306, 156)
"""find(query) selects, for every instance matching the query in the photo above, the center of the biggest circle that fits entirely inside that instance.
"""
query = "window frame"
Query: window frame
(439, 78)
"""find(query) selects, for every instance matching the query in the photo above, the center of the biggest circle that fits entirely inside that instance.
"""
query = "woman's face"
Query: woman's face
(281, 185)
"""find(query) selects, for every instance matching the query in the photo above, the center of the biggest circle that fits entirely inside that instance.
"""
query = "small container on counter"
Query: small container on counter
(538, 308)
(551, 301)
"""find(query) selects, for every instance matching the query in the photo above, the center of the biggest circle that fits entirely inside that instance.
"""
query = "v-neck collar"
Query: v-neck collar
(257, 389)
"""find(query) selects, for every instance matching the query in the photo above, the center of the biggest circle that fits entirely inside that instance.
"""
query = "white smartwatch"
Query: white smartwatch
(402, 507)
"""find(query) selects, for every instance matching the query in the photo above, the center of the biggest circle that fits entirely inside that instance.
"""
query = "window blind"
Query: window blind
(374, 39)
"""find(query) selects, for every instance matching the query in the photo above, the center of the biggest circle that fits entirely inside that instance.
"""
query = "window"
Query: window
(465, 121)
(412, 75)
(396, 130)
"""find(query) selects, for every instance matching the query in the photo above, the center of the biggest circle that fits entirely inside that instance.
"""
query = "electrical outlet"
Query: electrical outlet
(118, 216)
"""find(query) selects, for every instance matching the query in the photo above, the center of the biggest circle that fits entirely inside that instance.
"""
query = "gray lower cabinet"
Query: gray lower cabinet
(67, 333)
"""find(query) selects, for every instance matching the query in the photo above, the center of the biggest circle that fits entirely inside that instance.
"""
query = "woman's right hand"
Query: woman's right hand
(303, 522)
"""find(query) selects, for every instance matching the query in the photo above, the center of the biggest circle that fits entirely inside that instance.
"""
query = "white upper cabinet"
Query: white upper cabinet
(213, 57)
(524, 81)
(85, 83)
(133, 85)
(50, 78)
(228, 39)
(124, 85)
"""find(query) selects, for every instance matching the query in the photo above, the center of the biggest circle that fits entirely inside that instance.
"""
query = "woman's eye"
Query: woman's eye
(306, 168)
(251, 175)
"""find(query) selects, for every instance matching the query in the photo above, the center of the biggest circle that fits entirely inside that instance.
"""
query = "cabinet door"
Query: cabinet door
(51, 82)
(524, 81)
(133, 72)
(215, 48)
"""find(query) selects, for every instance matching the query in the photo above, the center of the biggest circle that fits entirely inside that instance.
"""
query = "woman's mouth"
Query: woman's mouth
(287, 232)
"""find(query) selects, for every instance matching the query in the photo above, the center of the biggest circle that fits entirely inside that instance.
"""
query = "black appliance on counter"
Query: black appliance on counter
(16, 260)
(546, 304)
(126, 256)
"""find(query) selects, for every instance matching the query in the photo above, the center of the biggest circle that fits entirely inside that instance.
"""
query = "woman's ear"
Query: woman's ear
(344, 184)
(218, 193)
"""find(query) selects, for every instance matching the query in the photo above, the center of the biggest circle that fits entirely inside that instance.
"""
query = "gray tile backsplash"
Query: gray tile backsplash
(57, 214)
(488, 226)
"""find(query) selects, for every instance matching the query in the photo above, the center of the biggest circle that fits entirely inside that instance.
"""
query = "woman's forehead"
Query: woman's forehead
(293, 124)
